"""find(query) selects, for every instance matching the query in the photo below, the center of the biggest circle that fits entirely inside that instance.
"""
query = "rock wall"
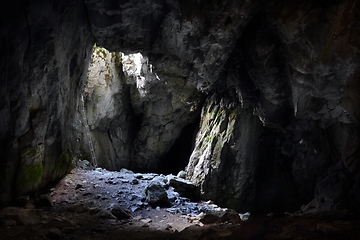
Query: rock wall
(45, 45)
(134, 116)
(293, 75)
(276, 85)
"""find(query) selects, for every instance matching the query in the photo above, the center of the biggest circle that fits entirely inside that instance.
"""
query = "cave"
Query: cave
(258, 103)
(177, 158)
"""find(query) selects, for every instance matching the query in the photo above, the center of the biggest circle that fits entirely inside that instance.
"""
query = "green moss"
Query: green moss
(29, 178)
(32, 174)
(64, 163)
(101, 52)
(233, 114)
(117, 58)
(208, 138)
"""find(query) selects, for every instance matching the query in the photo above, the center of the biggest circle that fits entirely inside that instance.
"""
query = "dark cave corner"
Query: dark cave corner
(178, 156)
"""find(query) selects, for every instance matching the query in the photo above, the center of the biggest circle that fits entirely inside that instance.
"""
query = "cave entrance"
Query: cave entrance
(177, 158)
(117, 85)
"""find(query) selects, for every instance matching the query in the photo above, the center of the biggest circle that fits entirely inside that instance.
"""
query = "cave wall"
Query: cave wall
(276, 85)
(44, 48)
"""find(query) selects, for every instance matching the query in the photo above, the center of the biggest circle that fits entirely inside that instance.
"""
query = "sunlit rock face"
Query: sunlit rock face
(134, 116)
(275, 84)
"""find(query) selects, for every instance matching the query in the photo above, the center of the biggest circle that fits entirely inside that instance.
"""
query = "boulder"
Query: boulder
(184, 187)
(215, 215)
(155, 193)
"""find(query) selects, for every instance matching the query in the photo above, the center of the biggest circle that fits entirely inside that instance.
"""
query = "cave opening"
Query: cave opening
(177, 158)
(117, 84)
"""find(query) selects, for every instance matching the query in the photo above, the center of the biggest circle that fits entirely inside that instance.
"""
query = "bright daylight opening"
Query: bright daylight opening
(122, 96)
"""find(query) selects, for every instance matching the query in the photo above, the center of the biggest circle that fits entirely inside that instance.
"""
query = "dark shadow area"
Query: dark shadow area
(178, 156)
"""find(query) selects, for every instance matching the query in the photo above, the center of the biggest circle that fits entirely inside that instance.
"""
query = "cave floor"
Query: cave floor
(83, 199)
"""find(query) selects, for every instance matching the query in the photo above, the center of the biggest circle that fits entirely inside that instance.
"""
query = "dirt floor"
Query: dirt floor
(81, 206)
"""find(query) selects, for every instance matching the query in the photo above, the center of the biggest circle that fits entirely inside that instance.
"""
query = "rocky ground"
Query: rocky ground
(99, 204)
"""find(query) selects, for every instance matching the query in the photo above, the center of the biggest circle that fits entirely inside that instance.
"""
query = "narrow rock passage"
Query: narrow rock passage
(101, 204)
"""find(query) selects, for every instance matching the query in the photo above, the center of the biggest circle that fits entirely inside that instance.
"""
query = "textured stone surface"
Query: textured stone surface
(277, 85)
(155, 193)
(45, 48)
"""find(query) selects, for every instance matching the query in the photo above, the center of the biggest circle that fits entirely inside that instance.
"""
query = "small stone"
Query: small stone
(134, 208)
(172, 210)
(138, 176)
(181, 174)
(184, 188)
(120, 213)
(209, 219)
(244, 216)
(126, 171)
(169, 226)
(146, 220)
(134, 181)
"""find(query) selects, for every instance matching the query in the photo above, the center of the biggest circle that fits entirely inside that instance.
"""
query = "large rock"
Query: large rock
(184, 187)
(220, 215)
(155, 194)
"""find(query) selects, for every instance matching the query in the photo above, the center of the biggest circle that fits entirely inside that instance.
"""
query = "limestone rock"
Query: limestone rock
(184, 188)
(155, 193)
(181, 174)
(222, 215)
